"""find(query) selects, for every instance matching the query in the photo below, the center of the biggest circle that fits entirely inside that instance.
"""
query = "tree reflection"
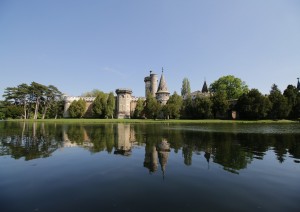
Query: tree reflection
(29, 140)
(233, 151)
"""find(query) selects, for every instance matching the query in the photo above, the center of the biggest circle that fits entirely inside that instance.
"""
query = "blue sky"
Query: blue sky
(83, 45)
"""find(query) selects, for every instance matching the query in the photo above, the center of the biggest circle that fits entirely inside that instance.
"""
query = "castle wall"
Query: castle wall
(69, 99)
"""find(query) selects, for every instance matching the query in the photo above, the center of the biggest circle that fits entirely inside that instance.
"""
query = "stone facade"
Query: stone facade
(69, 99)
(125, 102)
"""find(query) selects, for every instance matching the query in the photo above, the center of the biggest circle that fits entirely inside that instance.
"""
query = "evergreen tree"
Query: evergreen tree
(52, 95)
(110, 108)
(280, 108)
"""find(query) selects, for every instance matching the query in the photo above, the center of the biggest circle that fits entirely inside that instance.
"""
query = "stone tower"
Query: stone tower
(162, 94)
(123, 103)
(151, 84)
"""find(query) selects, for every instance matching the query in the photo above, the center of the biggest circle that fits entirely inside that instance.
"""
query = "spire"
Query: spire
(298, 84)
(204, 88)
(162, 87)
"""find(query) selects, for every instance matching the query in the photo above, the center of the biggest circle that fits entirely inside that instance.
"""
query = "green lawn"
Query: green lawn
(95, 121)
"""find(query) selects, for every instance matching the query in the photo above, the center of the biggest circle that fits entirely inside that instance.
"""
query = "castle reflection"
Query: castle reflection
(157, 153)
(233, 151)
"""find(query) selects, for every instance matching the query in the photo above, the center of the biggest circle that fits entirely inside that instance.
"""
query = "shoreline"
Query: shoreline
(158, 121)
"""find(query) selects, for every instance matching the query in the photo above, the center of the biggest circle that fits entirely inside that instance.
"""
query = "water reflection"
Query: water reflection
(233, 151)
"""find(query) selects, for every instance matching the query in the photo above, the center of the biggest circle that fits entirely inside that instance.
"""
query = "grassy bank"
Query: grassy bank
(203, 121)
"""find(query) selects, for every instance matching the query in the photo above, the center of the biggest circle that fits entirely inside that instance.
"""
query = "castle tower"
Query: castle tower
(162, 94)
(123, 103)
(150, 84)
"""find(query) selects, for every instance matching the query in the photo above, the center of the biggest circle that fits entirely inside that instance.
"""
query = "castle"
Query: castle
(125, 102)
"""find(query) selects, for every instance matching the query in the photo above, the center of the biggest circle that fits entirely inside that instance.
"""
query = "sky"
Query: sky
(79, 46)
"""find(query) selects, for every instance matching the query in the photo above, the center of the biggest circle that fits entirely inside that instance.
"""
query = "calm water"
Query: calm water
(151, 167)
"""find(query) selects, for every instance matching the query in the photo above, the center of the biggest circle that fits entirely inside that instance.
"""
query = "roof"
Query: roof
(162, 87)
(204, 88)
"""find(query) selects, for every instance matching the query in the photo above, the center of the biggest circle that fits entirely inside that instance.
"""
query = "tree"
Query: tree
(77, 108)
(186, 88)
(52, 94)
(2, 110)
(233, 87)
(280, 108)
(187, 107)
(100, 105)
(18, 96)
(110, 105)
(37, 92)
(220, 103)
(202, 107)
(173, 106)
(138, 112)
(152, 107)
(92, 93)
(253, 105)
(291, 93)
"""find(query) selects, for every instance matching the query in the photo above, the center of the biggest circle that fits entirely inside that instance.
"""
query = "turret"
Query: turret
(162, 94)
(150, 84)
(123, 102)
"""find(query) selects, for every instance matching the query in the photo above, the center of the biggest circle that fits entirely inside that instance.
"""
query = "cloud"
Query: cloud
(113, 71)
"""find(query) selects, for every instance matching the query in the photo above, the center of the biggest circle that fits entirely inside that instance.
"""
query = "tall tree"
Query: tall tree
(110, 105)
(186, 88)
(234, 87)
(253, 105)
(52, 94)
(100, 105)
(37, 93)
(280, 108)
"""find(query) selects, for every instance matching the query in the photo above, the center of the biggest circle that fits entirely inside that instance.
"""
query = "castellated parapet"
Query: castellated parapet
(69, 99)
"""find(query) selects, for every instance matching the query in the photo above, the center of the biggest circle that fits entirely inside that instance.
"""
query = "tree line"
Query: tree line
(32, 102)
(227, 94)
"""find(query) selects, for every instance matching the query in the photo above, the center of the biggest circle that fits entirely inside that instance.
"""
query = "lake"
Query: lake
(149, 167)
